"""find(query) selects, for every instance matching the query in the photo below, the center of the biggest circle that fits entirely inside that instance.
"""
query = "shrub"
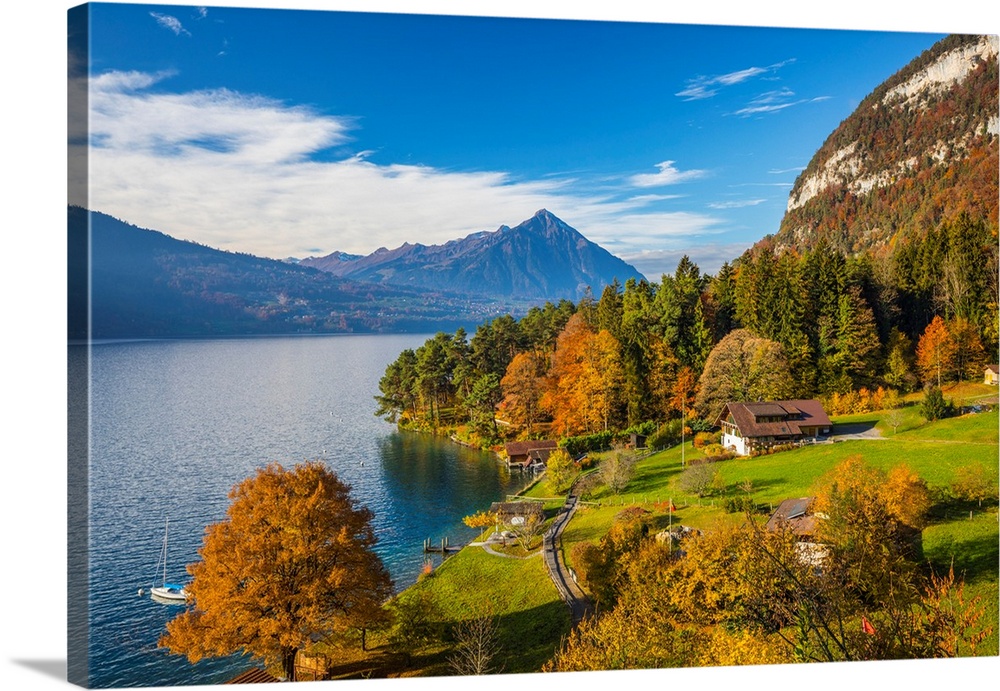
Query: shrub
(702, 439)
(667, 436)
(741, 504)
(644, 428)
(589, 442)
(934, 406)
(586, 485)
(717, 452)
(697, 478)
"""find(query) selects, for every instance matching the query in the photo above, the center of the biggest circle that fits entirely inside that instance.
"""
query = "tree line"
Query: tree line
(771, 324)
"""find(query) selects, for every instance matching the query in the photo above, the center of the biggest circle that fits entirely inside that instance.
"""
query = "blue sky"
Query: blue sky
(297, 133)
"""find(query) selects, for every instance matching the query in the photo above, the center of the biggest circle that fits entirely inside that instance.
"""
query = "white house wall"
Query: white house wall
(737, 443)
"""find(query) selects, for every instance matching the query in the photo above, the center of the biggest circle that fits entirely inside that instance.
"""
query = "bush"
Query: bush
(717, 452)
(697, 478)
(703, 439)
(589, 442)
(741, 504)
(934, 406)
(644, 428)
(667, 436)
(586, 485)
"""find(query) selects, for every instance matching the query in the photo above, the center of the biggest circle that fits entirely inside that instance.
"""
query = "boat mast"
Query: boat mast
(166, 532)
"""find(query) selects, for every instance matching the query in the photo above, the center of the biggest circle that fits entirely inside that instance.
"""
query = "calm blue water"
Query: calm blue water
(176, 424)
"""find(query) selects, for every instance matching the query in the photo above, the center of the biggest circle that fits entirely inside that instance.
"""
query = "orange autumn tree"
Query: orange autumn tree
(564, 399)
(291, 563)
(585, 381)
(523, 387)
(936, 351)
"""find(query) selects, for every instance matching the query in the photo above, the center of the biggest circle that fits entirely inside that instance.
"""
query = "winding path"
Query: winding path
(569, 591)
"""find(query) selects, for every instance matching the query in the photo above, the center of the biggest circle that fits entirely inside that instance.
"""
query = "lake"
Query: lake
(175, 424)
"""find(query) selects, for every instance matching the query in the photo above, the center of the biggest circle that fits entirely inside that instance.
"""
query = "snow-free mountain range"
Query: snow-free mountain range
(542, 258)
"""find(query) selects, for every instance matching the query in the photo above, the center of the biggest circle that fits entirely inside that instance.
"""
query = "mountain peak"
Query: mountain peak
(540, 258)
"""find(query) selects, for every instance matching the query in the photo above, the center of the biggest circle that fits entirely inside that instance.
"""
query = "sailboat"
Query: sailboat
(168, 593)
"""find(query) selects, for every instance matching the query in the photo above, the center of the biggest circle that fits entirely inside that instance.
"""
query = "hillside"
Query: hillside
(541, 258)
(145, 284)
(921, 148)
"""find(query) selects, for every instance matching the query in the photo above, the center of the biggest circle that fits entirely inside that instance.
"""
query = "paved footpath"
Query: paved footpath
(569, 591)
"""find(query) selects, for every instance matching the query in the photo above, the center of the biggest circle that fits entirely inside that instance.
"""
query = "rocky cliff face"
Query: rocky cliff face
(921, 147)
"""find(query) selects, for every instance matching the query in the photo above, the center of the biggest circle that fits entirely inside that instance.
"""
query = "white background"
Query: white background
(32, 159)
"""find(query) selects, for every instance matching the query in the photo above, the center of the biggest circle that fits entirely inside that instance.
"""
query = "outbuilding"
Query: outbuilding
(991, 375)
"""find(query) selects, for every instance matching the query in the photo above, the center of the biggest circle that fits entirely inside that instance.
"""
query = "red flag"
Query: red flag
(672, 507)
(867, 627)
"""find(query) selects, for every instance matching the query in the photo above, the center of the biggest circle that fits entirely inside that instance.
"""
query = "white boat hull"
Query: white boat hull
(166, 594)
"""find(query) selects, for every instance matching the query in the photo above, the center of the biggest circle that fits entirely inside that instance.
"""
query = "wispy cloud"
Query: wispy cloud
(201, 12)
(775, 101)
(668, 175)
(170, 22)
(702, 86)
(736, 203)
(243, 172)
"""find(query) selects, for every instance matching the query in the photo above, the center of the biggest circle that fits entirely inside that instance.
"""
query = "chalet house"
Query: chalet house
(532, 454)
(991, 374)
(796, 516)
(517, 512)
(750, 427)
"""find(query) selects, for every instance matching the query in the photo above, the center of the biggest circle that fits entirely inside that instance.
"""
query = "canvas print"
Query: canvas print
(419, 345)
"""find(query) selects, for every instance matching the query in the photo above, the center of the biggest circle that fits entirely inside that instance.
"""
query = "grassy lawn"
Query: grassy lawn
(531, 618)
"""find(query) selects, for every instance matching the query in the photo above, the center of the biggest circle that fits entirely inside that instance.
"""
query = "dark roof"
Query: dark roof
(540, 455)
(505, 509)
(795, 514)
(253, 676)
(993, 368)
(795, 415)
(523, 448)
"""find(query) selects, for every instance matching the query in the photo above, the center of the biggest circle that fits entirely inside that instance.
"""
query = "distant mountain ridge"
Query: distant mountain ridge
(131, 282)
(922, 147)
(541, 258)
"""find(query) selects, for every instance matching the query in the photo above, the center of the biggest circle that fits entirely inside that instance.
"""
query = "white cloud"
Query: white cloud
(239, 172)
(668, 175)
(702, 87)
(736, 203)
(169, 22)
(774, 101)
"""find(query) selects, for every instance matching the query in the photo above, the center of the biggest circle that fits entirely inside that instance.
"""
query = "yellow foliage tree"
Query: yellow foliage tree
(482, 520)
(560, 469)
(292, 561)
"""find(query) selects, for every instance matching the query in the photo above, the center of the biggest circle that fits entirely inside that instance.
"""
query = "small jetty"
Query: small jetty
(443, 548)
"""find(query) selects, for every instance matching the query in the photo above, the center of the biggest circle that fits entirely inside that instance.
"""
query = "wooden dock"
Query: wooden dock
(443, 548)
